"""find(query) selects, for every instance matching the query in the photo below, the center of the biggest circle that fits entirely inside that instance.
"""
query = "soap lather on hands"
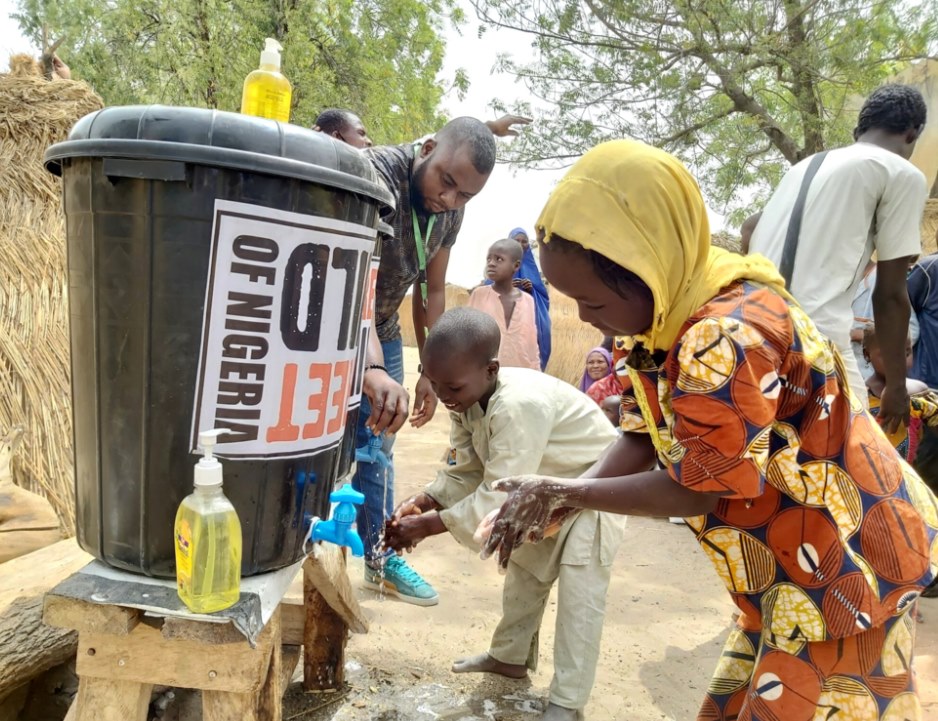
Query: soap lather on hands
(536, 508)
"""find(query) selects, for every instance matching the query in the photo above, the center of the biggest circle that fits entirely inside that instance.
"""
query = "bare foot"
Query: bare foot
(559, 713)
(483, 663)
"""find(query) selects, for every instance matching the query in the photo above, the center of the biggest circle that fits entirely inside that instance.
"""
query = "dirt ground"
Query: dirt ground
(667, 617)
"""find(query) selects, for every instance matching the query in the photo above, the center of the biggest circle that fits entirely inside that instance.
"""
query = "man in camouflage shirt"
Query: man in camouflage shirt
(431, 180)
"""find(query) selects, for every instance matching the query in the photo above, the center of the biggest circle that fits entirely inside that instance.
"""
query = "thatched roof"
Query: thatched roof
(34, 348)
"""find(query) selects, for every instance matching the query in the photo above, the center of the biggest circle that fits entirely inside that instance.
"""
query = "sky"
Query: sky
(513, 196)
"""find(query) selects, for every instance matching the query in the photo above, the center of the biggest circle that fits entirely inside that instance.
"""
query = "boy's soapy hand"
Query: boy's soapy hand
(533, 506)
(414, 506)
(406, 532)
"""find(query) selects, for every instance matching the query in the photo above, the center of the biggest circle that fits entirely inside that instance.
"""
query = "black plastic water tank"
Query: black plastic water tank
(221, 273)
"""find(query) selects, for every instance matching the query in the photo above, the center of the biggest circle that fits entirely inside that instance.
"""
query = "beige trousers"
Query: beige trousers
(581, 604)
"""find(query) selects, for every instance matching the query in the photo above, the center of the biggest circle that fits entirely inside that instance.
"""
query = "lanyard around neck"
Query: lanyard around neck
(422, 252)
(421, 248)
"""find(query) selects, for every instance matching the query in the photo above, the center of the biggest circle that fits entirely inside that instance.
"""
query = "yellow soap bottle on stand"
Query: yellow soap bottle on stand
(208, 538)
(267, 93)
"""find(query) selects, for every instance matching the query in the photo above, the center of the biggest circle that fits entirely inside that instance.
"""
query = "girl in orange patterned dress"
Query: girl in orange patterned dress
(822, 535)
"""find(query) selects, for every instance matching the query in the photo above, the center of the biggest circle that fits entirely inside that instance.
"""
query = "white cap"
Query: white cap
(270, 55)
(208, 469)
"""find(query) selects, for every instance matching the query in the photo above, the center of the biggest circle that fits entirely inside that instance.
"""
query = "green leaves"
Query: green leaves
(738, 88)
(379, 58)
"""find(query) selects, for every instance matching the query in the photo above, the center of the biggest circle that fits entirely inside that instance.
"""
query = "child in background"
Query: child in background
(506, 422)
(511, 309)
(924, 402)
(612, 407)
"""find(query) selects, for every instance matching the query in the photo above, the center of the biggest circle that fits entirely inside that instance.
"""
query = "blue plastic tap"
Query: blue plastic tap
(373, 453)
(338, 529)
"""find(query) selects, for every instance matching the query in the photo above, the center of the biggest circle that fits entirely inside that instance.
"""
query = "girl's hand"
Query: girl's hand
(535, 504)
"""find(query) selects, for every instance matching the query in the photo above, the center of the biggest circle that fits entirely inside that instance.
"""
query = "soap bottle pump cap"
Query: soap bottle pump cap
(270, 55)
(208, 469)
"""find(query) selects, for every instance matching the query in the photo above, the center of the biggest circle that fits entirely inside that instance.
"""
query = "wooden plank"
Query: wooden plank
(324, 642)
(84, 616)
(219, 706)
(27, 646)
(101, 699)
(266, 704)
(270, 699)
(290, 658)
(211, 634)
(325, 568)
(27, 522)
(145, 656)
(293, 621)
(37, 572)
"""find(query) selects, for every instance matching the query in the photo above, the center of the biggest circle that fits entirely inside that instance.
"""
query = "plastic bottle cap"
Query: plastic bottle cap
(208, 473)
(270, 55)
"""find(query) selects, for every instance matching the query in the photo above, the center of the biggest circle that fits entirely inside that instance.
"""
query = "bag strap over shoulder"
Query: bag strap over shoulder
(790, 250)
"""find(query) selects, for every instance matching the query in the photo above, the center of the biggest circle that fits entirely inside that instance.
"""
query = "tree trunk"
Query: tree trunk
(27, 646)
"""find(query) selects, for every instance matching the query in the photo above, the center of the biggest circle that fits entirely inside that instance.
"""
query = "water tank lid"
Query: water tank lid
(220, 139)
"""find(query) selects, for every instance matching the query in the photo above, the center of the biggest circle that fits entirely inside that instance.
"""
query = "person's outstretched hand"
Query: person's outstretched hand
(894, 408)
(526, 285)
(534, 505)
(388, 399)
(425, 401)
(501, 128)
(60, 69)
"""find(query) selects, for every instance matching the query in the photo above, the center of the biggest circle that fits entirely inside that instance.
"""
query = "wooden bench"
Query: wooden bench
(122, 653)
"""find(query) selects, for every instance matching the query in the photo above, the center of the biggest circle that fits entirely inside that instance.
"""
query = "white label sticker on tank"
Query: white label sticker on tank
(289, 301)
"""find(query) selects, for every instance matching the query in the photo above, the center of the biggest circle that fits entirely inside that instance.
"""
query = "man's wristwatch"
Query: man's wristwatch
(420, 368)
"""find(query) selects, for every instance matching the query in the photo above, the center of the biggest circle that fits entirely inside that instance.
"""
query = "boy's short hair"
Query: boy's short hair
(464, 332)
(511, 248)
(869, 336)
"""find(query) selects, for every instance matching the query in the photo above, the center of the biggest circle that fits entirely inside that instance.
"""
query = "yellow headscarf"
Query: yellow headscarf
(639, 207)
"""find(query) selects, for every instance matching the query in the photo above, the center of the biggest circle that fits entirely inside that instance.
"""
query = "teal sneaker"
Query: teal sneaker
(402, 581)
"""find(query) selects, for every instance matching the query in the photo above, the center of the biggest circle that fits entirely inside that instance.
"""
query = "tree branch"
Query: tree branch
(696, 127)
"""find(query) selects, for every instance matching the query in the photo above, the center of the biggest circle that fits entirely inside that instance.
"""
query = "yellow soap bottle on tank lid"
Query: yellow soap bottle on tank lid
(267, 93)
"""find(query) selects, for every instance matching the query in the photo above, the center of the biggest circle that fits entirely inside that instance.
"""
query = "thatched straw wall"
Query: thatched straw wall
(34, 348)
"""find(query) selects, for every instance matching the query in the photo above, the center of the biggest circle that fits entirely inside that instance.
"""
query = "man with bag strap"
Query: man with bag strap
(832, 210)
